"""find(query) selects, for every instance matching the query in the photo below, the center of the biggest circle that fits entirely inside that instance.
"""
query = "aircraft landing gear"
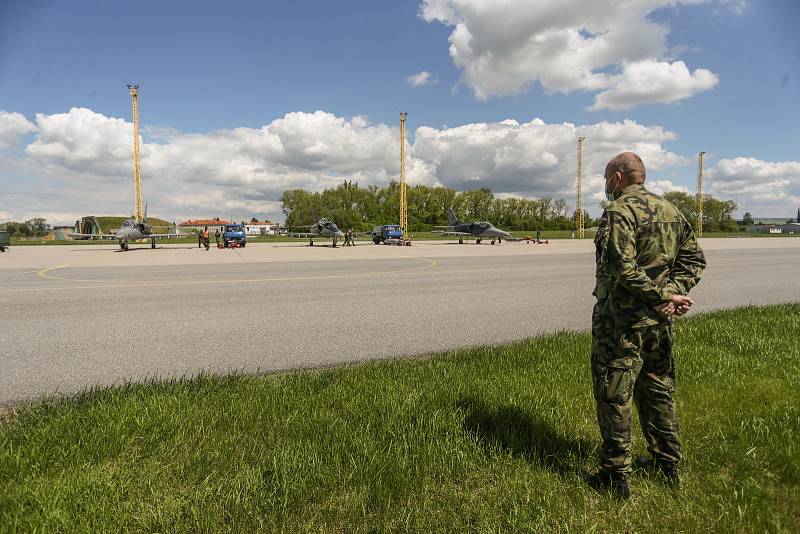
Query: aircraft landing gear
(460, 240)
(492, 241)
(334, 242)
(153, 242)
(478, 241)
(310, 242)
(123, 245)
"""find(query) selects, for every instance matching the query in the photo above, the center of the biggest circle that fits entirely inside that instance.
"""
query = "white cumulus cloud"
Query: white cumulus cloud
(13, 126)
(536, 158)
(503, 47)
(762, 187)
(86, 154)
(653, 81)
(84, 159)
(420, 79)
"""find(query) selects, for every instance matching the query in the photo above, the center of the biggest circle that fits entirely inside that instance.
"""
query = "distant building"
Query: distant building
(791, 228)
(763, 229)
(261, 228)
(788, 228)
(190, 226)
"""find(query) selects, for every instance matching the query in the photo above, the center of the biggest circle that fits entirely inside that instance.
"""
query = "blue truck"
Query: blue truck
(387, 232)
(234, 233)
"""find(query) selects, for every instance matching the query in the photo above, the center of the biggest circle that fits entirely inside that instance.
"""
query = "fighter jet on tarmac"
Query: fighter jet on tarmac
(131, 230)
(477, 229)
(323, 228)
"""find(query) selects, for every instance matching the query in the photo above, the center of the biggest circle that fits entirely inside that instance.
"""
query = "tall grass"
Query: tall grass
(486, 439)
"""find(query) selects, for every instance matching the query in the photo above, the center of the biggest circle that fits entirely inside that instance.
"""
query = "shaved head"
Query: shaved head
(629, 165)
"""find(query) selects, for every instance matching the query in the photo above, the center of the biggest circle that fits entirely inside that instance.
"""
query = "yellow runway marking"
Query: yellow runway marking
(45, 273)
(18, 274)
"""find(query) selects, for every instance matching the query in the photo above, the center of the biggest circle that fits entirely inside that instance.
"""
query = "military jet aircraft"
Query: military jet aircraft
(131, 230)
(477, 229)
(323, 228)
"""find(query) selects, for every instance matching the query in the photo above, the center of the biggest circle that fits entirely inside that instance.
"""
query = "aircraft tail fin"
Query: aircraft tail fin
(452, 216)
(145, 213)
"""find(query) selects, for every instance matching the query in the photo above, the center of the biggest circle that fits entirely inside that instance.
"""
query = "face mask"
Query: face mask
(610, 196)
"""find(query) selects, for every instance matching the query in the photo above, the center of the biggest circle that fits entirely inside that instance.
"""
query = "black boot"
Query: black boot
(615, 484)
(667, 469)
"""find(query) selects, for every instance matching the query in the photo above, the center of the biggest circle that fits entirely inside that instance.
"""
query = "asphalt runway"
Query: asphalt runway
(86, 315)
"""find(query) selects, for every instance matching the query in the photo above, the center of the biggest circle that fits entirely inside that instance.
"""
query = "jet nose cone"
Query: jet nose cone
(496, 232)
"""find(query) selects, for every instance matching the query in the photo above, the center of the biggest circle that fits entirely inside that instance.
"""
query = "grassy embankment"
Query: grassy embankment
(474, 440)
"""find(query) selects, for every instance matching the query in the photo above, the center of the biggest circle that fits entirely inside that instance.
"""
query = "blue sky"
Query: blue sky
(229, 95)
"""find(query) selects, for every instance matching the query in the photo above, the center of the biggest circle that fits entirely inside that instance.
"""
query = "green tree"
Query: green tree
(37, 226)
(361, 208)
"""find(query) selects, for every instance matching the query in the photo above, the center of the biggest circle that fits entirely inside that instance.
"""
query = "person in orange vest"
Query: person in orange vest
(205, 237)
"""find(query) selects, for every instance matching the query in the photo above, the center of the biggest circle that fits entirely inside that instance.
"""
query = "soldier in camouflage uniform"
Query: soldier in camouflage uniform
(647, 261)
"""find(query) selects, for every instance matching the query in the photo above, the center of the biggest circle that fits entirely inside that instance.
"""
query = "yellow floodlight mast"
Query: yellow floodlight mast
(579, 222)
(698, 208)
(403, 198)
(137, 168)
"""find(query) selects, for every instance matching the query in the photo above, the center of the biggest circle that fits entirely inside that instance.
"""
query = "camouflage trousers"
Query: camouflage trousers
(634, 364)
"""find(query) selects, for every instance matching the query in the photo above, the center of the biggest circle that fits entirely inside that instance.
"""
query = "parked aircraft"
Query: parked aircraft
(322, 228)
(131, 230)
(477, 229)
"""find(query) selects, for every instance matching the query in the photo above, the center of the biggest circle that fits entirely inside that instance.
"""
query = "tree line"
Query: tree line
(717, 214)
(36, 227)
(362, 208)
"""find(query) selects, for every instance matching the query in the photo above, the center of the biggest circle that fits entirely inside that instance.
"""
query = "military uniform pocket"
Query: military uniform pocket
(617, 385)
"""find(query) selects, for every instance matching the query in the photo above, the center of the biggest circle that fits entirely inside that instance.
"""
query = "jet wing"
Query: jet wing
(92, 236)
(302, 234)
(163, 236)
(451, 233)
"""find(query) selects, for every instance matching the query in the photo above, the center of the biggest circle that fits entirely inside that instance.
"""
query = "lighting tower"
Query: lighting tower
(579, 222)
(403, 199)
(137, 168)
(698, 207)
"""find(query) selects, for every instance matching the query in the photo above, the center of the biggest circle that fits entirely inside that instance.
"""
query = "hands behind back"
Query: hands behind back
(679, 305)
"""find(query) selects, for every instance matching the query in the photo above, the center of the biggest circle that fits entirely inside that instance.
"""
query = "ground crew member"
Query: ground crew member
(647, 261)
(199, 239)
(538, 236)
(205, 237)
(216, 237)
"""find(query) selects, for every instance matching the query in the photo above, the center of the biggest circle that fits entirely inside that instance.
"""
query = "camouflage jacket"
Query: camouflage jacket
(646, 252)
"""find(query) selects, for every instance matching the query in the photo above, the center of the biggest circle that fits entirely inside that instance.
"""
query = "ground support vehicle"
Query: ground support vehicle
(389, 234)
(234, 236)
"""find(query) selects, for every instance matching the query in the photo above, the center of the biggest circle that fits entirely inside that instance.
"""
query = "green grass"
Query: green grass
(487, 439)
(114, 223)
